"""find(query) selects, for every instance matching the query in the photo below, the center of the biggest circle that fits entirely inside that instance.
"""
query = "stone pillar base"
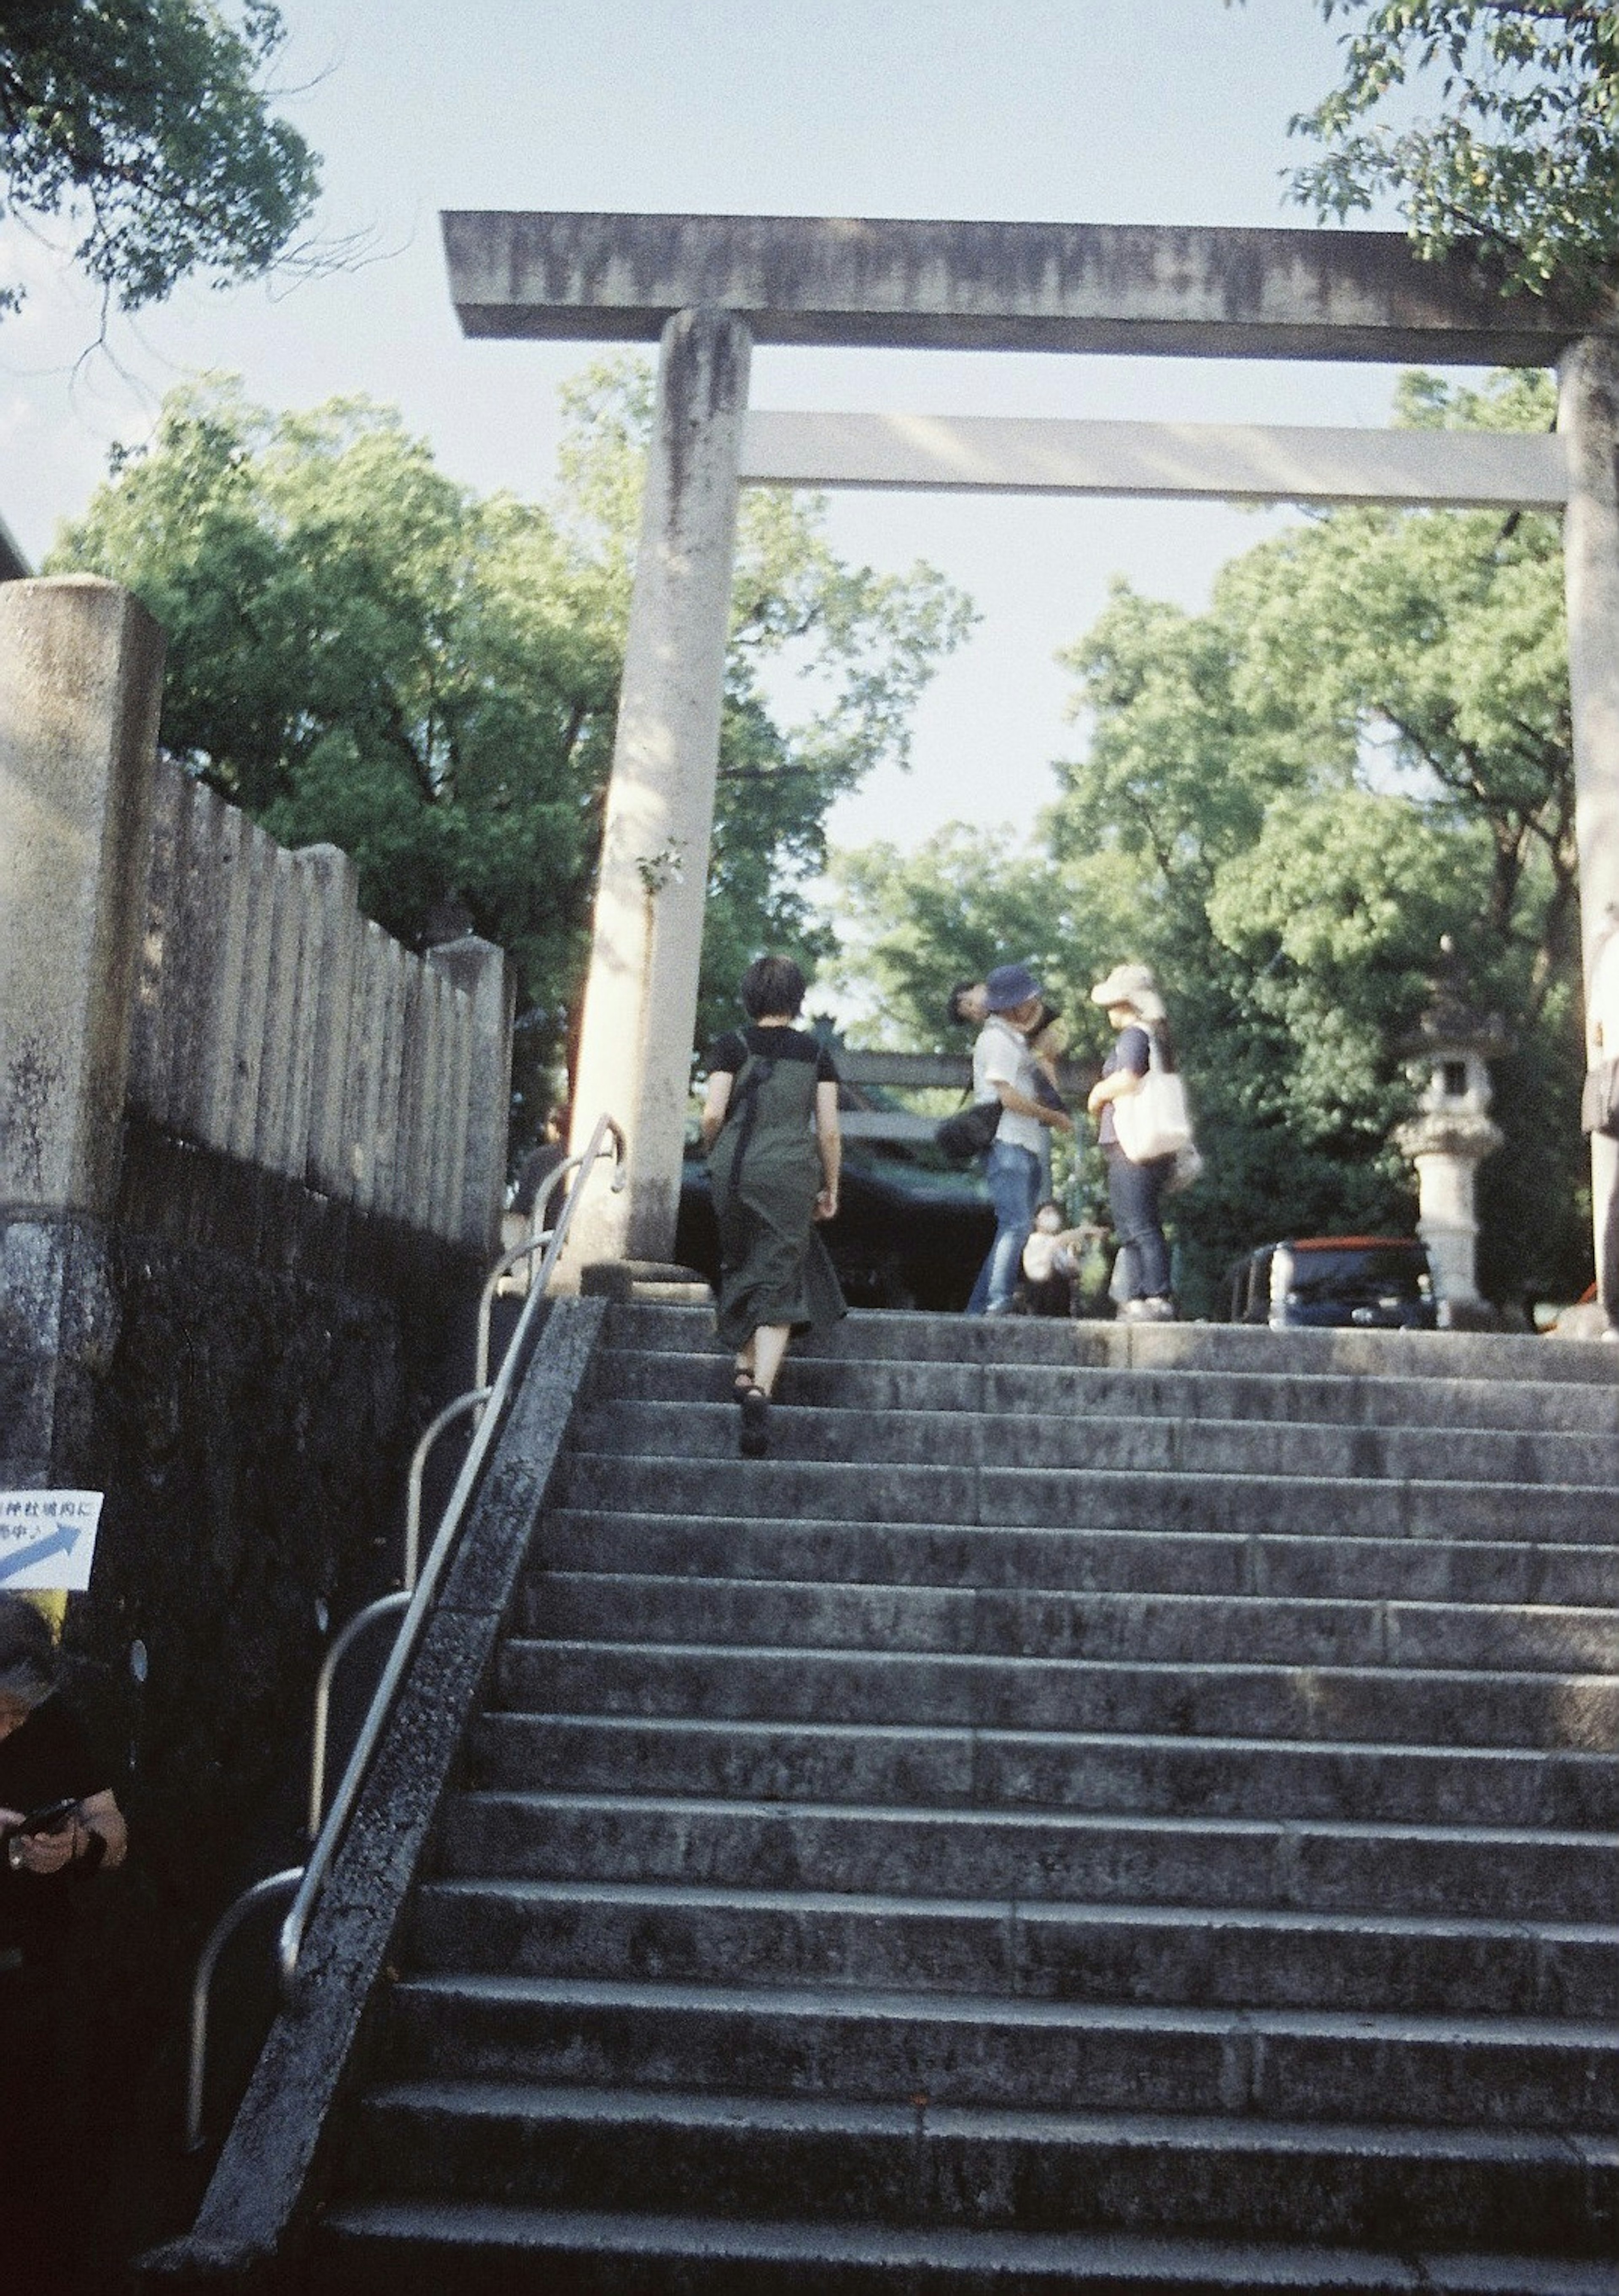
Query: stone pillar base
(1470, 1316)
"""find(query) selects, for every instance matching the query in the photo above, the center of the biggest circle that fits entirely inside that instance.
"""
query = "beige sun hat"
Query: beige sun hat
(1132, 984)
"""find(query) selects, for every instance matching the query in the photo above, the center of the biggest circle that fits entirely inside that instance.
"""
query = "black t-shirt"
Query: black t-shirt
(729, 1053)
(42, 1760)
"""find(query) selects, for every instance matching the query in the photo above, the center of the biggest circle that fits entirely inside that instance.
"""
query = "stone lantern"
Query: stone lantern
(1451, 1134)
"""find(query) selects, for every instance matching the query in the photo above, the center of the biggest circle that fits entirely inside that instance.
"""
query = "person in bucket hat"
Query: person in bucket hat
(1004, 1069)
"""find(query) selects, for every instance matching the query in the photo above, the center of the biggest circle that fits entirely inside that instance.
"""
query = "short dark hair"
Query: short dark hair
(27, 1653)
(771, 984)
(952, 1003)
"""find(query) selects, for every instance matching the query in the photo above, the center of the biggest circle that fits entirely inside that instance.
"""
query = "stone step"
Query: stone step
(980, 2171)
(1309, 1451)
(1449, 1706)
(1322, 1865)
(1078, 1498)
(865, 1336)
(1177, 1956)
(1079, 1391)
(961, 2049)
(1261, 1930)
(1058, 1624)
(406, 2247)
(1091, 1561)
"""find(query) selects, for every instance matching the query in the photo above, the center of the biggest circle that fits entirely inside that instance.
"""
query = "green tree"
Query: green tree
(1281, 804)
(360, 651)
(1243, 762)
(965, 901)
(1521, 156)
(1442, 633)
(145, 126)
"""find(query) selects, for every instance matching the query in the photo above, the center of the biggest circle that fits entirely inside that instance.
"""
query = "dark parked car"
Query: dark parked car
(1380, 1280)
(905, 1235)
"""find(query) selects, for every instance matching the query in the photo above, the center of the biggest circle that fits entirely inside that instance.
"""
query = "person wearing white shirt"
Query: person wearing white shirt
(1003, 1069)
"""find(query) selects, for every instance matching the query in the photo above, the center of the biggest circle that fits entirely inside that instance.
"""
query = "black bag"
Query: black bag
(969, 1131)
(1599, 1098)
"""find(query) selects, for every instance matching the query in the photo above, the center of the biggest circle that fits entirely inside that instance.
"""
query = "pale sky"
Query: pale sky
(1091, 110)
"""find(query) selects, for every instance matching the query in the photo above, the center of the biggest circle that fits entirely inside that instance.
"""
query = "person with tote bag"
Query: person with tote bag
(1144, 1131)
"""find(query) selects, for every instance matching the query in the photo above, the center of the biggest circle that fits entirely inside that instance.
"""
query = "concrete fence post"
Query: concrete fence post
(450, 1219)
(285, 1027)
(640, 996)
(1588, 417)
(81, 669)
(192, 959)
(480, 970)
(150, 1066)
(367, 1062)
(332, 961)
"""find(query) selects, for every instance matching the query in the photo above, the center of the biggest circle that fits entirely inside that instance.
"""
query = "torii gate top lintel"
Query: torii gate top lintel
(1194, 291)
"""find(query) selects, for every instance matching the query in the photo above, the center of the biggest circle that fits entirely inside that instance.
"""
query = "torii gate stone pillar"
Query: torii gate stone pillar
(640, 1000)
(1588, 420)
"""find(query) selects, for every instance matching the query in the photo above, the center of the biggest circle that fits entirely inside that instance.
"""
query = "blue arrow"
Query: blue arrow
(60, 1542)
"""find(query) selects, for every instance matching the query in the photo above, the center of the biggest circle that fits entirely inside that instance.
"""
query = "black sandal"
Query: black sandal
(754, 1442)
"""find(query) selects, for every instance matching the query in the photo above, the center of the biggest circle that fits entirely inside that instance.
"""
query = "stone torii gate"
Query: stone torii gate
(708, 287)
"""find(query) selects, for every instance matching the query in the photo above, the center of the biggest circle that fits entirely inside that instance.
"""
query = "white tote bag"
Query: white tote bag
(1153, 1120)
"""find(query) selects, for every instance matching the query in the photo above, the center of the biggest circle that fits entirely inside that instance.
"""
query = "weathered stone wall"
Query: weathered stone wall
(252, 1154)
(250, 1426)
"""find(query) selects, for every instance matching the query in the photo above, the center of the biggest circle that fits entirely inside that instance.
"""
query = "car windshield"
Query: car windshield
(1367, 1269)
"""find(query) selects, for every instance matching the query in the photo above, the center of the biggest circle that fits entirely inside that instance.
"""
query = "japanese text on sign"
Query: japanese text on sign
(47, 1539)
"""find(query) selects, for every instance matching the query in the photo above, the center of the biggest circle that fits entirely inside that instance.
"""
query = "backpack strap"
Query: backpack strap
(743, 1105)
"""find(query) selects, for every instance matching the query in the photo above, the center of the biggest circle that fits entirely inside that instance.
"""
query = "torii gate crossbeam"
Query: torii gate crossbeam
(1179, 462)
(708, 287)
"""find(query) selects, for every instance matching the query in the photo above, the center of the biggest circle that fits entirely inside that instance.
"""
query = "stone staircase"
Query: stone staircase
(1100, 1809)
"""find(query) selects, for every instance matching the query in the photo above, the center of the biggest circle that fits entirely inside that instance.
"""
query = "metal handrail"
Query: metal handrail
(293, 1877)
(325, 1847)
(508, 1260)
(429, 1435)
(274, 1885)
(383, 1607)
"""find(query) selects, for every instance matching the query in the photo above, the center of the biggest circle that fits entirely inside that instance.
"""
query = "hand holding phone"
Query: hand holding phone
(43, 1841)
(52, 1817)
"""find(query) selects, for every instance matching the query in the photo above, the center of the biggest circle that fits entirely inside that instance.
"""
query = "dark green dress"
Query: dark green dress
(765, 1170)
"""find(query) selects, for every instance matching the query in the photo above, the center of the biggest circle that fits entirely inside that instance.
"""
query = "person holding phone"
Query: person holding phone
(59, 1823)
(56, 1810)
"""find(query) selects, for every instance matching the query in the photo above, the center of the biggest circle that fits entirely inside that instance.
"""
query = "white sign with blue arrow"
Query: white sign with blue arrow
(47, 1539)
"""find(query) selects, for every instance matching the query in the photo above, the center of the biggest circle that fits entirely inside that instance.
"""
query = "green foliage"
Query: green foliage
(965, 901)
(859, 647)
(1281, 805)
(144, 124)
(1442, 635)
(361, 652)
(1521, 156)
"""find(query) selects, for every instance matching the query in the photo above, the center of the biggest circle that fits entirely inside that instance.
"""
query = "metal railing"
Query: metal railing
(415, 1599)
(274, 1885)
(508, 1260)
(386, 1606)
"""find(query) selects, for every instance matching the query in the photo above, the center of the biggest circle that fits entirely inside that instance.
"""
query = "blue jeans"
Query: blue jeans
(1133, 1194)
(1013, 1188)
